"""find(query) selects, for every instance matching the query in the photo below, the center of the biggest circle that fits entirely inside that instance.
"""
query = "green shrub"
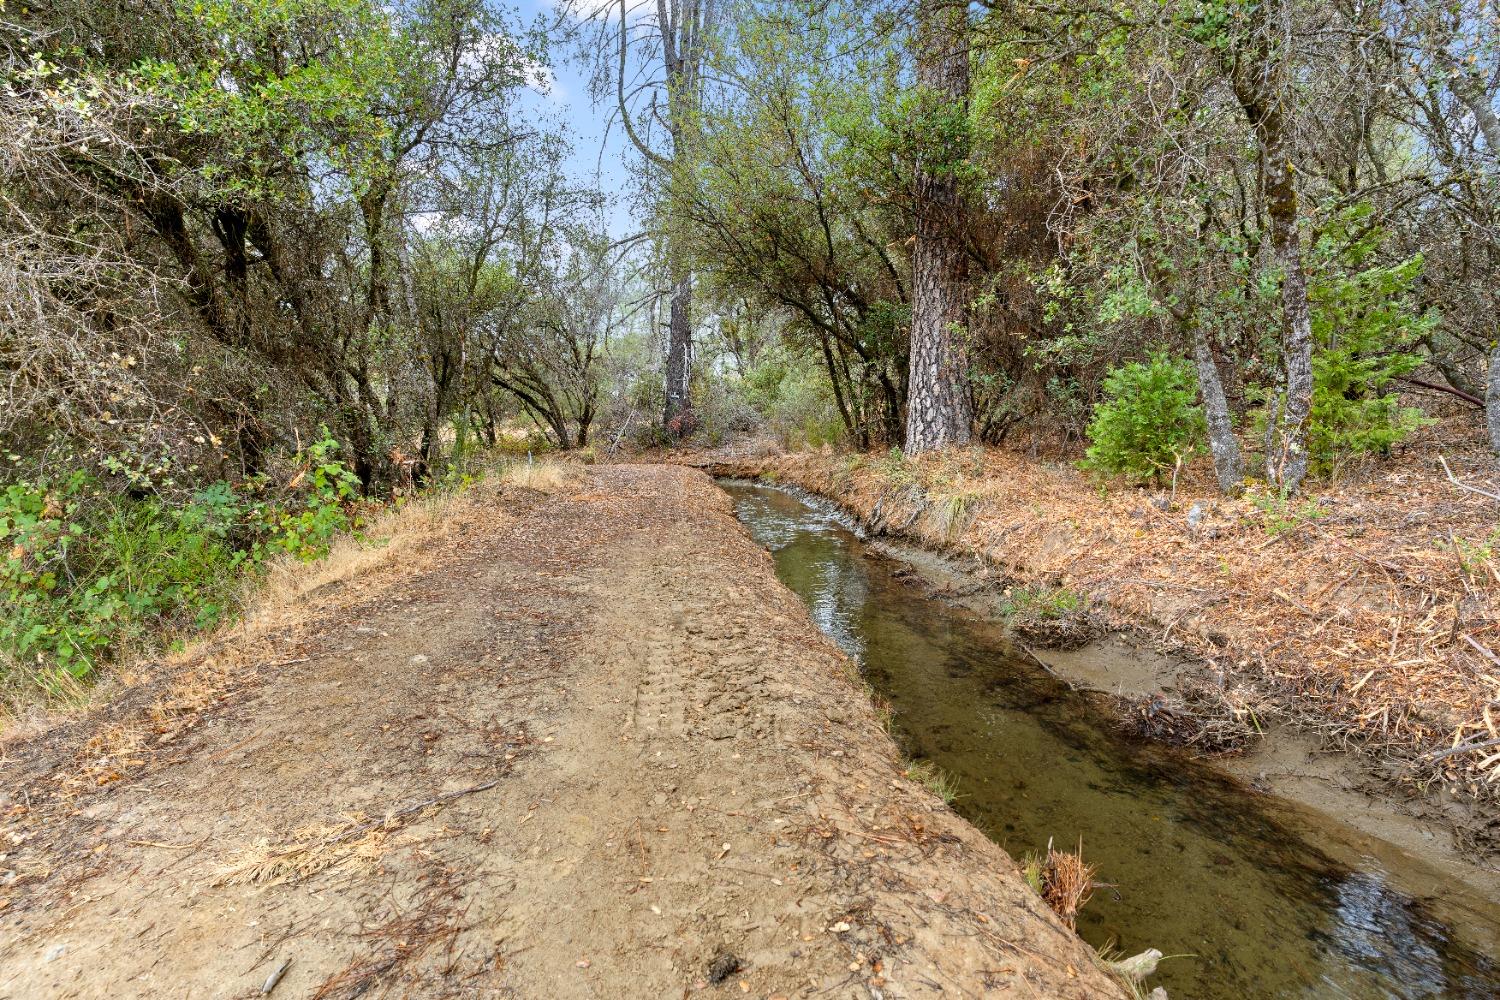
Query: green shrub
(793, 396)
(1365, 327)
(87, 571)
(1148, 421)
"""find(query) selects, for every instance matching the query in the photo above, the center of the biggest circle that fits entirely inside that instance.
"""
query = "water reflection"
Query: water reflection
(1201, 868)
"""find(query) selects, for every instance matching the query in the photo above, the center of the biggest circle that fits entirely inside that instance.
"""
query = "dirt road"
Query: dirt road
(587, 746)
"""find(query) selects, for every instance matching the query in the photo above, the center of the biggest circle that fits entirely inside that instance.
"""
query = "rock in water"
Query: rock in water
(1137, 967)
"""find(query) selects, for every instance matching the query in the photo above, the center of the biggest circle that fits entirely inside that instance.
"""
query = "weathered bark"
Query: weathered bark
(1492, 399)
(1221, 440)
(1257, 77)
(679, 350)
(938, 412)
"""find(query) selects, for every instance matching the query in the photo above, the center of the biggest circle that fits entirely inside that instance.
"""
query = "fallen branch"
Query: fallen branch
(1467, 397)
(1465, 486)
(1455, 751)
(407, 811)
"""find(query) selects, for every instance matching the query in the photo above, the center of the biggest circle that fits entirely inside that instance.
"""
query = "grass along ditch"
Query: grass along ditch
(1268, 901)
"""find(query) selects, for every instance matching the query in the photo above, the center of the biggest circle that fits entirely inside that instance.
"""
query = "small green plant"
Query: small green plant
(953, 511)
(934, 779)
(897, 468)
(1279, 513)
(1046, 603)
(1476, 559)
(1148, 422)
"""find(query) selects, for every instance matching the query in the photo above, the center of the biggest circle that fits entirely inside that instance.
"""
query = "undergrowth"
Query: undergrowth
(91, 575)
(934, 779)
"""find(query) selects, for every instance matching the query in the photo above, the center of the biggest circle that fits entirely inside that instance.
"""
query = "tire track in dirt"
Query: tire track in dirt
(654, 764)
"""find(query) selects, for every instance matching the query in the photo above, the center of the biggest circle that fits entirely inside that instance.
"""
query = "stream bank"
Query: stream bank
(1211, 607)
(1259, 899)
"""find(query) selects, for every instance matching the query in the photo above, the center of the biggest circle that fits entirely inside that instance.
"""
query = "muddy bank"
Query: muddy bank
(1312, 753)
(591, 747)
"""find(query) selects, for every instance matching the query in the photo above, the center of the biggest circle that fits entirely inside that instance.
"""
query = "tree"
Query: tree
(938, 408)
(1256, 62)
(651, 63)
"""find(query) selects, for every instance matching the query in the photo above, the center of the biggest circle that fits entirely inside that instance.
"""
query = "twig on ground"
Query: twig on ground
(1465, 486)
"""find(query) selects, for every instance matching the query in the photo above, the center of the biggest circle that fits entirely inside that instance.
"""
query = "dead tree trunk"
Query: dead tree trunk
(938, 412)
(1492, 399)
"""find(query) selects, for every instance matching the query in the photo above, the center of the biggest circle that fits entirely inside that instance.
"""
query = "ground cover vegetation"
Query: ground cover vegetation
(273, 256)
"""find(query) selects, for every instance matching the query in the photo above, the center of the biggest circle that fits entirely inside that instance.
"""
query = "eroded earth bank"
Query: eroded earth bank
(578, 742)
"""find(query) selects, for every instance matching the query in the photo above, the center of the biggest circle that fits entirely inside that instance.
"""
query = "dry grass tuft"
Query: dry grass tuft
(543, 477)
(311, 850)
(1063, 879)
(316, 849)
(393, 536)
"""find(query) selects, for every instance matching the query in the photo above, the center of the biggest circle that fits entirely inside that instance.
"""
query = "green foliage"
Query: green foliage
(1148, 421)
(304, 526)
(794, 398)
(1043, 603)
(87, 572)
(1279, 513)
(232, 83)
(1365, 327)
(1476, 559)
(934, 779)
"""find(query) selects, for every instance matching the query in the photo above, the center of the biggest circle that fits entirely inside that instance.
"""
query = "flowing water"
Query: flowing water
(1261, 899)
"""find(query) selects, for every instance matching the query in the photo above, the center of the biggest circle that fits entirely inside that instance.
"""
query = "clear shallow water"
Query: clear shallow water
(1267, 902)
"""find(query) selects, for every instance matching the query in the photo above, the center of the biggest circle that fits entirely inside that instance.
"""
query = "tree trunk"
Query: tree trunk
(1492, 398)
(1286, 465)
(1257, 76)
(1221, 439)
(938, 412)
(679, 350)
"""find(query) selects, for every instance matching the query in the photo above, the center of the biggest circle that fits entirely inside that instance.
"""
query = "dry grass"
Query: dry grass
(310, 851)
(547, 476)
(1063, 879)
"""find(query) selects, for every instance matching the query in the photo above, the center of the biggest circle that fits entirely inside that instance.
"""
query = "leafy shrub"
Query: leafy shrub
(795, 399)
(87, 571)
(1148, 421)
(723, 409)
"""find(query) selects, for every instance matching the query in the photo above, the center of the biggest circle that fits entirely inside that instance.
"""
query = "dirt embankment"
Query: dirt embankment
(1365, 614)
(580, 744)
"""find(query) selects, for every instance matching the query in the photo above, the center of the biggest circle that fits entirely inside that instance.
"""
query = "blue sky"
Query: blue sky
(600, 155)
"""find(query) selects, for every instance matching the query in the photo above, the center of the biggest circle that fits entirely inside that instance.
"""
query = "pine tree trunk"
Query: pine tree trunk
(1221, 440)
(679, 350)
(938, 411)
